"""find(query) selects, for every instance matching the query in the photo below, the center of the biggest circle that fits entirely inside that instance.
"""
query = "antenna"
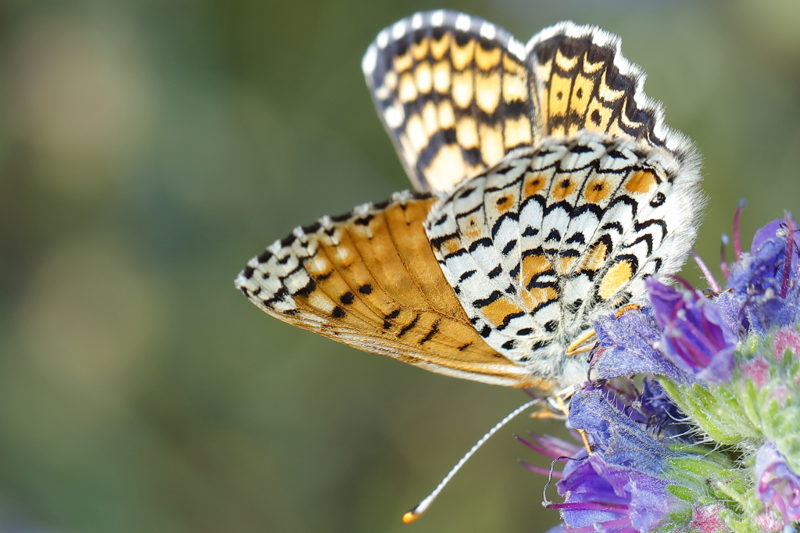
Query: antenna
(426, 502)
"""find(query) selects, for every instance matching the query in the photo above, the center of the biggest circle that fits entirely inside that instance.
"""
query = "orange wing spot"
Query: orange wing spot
(564, 188)
(517, 132)
(415, 129)
(439, 48)
(487, 59)
(441, 77)
(408, 88)
(423, 77)
(598, 116)
(511, 65)
(559, 91)
(533, 265)
(497, 311)
(403, 62)
(461, 88)
(515, 88)
(565, 263)
(596, 190)
(472, 227)
(504, 203)
(462, 55)
(581, 91)
(448, 165)
(534, 183)
(641, 181)
(452, 245)
(420, 50)
(538, 295)
(447, 117)
(596, 258)
(467, 132)
(591, 68)
(564, 62)
(487, 91)
(617, 276)
(317, 265)
(615, 130)
(492, 150)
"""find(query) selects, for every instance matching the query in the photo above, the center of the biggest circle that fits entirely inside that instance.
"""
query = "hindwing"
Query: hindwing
(453, 92)
(582, 82)
(553, 237)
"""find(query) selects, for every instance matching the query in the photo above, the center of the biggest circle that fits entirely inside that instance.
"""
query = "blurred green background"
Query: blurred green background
(149, 148)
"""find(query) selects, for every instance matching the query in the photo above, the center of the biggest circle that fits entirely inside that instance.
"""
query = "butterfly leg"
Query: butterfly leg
(582, 344)
(585, 342)
(561, 402)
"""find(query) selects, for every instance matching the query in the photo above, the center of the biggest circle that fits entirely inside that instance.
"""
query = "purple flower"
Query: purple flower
(626, 345)
(621, 486)
(696, 337)
(599, 496)
(777, 485)
(619, 431)
(764, 281)
(552, 447)
(663, 416)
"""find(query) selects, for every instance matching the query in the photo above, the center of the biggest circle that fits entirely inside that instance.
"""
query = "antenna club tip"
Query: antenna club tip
(410, 516)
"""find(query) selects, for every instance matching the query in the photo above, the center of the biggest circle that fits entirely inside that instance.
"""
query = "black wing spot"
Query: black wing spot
(405, 329)
(338, 312)
(365, 289)
(347, 298)
(307, 289)
(466, 275)
(658, 200)
(433, 331)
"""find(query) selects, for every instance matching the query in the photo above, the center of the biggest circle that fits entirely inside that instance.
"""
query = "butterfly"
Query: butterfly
(546, 189)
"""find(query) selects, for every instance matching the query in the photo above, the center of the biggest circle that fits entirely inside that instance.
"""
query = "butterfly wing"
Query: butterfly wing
(560, 188)
(554, 236)
(452, 92)
(582, 82)
(549, 240)
(369, 279)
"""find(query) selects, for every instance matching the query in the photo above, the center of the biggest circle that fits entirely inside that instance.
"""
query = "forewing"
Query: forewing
(369, 279)
(552, 238)
(452, 91)
(582, 82)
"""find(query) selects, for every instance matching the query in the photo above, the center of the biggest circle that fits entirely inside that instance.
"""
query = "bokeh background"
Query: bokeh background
(149, 148)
